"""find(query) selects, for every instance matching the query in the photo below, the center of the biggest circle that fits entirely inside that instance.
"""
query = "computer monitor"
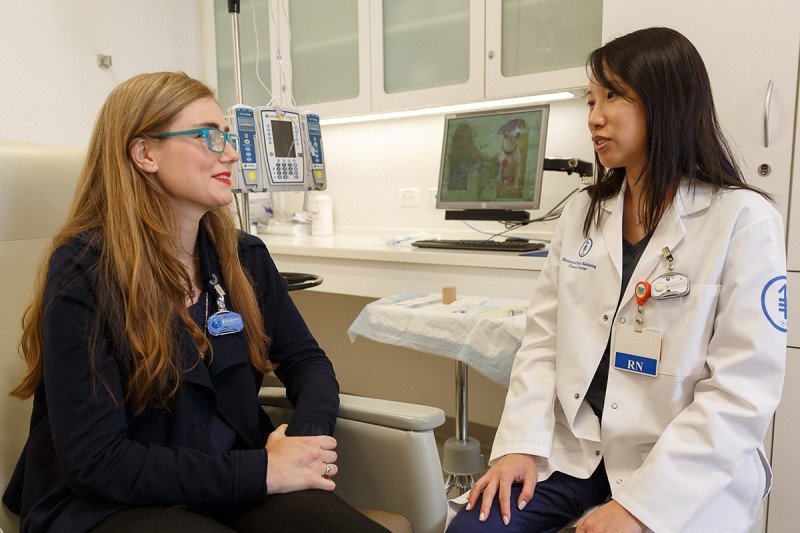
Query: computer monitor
(492, 163)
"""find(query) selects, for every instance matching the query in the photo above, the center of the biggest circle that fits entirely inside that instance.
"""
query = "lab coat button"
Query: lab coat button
(619, 482)
(597, 452)
(621, 320)
(577, 396)
(605, 318)
(614, 406)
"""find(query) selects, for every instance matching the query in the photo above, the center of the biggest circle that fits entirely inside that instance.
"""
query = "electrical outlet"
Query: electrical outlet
(408, 197)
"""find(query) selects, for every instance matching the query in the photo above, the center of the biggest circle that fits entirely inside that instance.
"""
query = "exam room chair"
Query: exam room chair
(389, 465)
(36, 185)
(388, 459)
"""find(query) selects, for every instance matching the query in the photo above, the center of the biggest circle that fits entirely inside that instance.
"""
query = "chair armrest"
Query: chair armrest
(387, 456)
(387, 413)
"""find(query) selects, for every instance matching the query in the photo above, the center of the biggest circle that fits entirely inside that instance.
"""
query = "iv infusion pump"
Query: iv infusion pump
(283, 141)
(280, 150)
(247, 172)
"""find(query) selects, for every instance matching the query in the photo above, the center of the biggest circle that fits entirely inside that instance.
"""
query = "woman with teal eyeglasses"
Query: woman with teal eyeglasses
(215, 138)
(145, 413)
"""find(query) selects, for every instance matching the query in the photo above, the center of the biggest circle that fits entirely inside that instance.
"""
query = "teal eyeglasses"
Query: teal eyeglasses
(215, 139)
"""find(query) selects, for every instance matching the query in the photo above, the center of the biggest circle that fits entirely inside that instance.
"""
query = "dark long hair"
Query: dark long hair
(684, 139)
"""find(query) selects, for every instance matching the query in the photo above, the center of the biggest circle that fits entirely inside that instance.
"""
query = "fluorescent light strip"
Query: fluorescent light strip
(456, 108)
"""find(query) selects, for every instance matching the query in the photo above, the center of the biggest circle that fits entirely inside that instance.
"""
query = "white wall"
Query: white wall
(51, 87)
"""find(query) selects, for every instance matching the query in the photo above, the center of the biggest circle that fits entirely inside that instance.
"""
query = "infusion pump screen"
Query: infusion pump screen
(283, 137)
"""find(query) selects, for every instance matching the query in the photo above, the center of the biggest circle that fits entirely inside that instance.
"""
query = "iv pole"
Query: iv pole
(296, 281)
(234, 9)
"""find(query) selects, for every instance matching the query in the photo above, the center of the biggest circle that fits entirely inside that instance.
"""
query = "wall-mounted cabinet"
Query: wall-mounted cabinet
(328, 43)
(359, 56)
(539, 46)
(793, 225)
(426, 53)
(785, 464)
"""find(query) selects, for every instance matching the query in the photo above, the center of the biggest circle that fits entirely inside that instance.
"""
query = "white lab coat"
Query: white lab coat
(683, 451)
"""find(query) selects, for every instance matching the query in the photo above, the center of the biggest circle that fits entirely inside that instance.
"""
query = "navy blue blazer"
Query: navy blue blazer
(88, 456)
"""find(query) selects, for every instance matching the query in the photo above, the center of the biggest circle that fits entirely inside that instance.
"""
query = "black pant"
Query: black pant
(556, 501)
(310, 511)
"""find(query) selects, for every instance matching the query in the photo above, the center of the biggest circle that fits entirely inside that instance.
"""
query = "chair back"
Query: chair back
(37, 182)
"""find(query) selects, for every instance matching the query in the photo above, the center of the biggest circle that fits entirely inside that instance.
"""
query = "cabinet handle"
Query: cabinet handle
(767, 102)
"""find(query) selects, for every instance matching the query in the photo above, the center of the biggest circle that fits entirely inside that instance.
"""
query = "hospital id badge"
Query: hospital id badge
(637, 352)
(224, 323)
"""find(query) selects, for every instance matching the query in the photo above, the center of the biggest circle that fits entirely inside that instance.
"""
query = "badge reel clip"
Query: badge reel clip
(642, 292)
(637, 349)
(223, 322)
(671, 284)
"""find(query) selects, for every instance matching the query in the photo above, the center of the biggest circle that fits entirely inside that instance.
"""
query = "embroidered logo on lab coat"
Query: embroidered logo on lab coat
(579, 265)
(585, 247)
(773, 302)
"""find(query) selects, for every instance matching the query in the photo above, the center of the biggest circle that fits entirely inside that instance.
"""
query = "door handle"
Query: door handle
(767, 105)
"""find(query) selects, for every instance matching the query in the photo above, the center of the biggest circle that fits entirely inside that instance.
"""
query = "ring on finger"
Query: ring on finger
(327, 469)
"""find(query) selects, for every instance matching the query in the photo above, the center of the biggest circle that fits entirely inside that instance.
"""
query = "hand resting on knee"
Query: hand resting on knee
(510, 469)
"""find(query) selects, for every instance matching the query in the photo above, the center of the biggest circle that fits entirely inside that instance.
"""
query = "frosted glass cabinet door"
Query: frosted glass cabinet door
(252, 91)
(538, 46)
(426, 52)
(330, 55)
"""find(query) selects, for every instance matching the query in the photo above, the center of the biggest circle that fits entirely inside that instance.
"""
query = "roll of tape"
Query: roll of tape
(448, 295)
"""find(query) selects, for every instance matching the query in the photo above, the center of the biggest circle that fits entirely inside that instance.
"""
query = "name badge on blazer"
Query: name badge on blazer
(224, 323)
(637, 351)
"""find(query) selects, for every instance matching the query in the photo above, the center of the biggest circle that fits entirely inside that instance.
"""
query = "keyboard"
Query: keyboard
(480, 244)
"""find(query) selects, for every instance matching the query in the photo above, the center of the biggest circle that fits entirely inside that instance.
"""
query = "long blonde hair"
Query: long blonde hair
(130, 212)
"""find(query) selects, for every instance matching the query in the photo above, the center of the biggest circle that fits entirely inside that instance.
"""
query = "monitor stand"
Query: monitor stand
(500, 215)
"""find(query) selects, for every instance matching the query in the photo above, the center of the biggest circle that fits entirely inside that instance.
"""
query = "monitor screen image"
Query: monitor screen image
(493, 159)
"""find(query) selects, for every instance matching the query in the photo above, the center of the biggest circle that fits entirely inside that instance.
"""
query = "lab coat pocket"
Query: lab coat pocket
(686, 323)
(704, 291)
